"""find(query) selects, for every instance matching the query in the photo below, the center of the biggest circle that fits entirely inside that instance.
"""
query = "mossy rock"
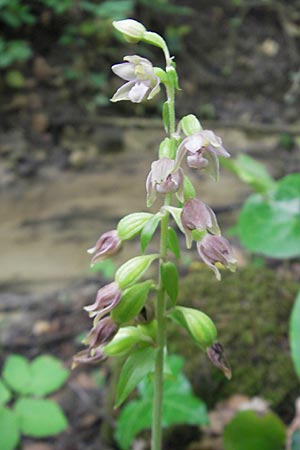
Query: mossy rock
(251, 310)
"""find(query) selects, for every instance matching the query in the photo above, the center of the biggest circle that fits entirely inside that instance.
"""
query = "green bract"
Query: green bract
(133, 270)
(200, 327)
(132, 301)
(131, 225)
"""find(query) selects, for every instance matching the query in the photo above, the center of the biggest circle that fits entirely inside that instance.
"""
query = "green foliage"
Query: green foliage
(149, 230)
(169, 276)
(138, 364)
(40, 417)
(248, 431)
(133, 300)
(295, 334)
(13, 51)
(107, 268)
(30, 416)
(173, 243)
(9, 425)
(270, 225)
(179, 406)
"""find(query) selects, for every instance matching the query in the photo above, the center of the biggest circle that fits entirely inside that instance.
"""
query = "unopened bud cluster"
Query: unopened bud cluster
(116, 330)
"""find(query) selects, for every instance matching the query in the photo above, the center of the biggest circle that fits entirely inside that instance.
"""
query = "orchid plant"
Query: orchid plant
(122, 325)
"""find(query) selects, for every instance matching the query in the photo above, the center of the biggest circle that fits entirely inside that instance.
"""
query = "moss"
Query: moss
(251, 310)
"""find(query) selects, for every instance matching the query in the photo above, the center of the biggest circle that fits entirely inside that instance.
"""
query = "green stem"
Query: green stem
(161, 306)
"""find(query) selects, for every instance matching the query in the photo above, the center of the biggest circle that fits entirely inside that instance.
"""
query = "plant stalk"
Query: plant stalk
(156, 437)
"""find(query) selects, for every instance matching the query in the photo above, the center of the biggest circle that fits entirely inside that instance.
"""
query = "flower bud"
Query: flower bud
(108, 297)
(133, 270)
(131, 225)
(132, 30)
(107, 245)
(190, 125)
(216, 249)
(199, 326)
(216, 355)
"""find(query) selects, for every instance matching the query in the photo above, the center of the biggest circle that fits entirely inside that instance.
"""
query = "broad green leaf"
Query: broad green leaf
(295, 444)
(272, 226)
(40, 418)
(16, 373)
(149, 230)
(180, 406)
(136, 367)
(48, 375)
(131, 225)
(173, 243)
(132, 270)
(9, 429)
(295, 334)
(169, 275)
(132, 301)
(251, 172)
(5, 394)
(248, 431)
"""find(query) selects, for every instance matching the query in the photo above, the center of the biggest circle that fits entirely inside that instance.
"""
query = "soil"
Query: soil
(69, 170)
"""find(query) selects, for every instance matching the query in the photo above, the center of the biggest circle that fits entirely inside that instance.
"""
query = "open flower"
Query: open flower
(216, 249)
(203, 149)
(107, 245)
(108, 297)
(196, 215)
(142, 83)
(163, 179)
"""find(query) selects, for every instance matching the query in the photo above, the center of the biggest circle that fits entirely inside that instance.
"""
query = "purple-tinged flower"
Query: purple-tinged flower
(163, 179)
(88, 356)
(196, 215)
(216, 249)
(203, 149)
(107, 298)
(107, 245)
(101, 333)
(216, 355)
(142, 83)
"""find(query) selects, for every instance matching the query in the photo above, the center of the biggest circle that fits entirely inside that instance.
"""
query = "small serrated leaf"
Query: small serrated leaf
(9, 426)
(136, 367)
(149, 230)
(16, 373)
(48, 375)
(169, 275)
(40, 418)
(173, 243)
(5, 394)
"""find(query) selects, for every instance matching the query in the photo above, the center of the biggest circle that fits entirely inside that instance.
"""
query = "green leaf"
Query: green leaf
(295, 334)
(132, 301)
(251, 172)
(5, 394)
(48, 375)
(40, 418)
(131, 225)
(165, 116)
(248, 431)
(272, 226)
(9, 426)
(173, 243)
(188, 189)
(179, 406)
(136, 367)
(149, 230)
(16, 373)
(169, 275)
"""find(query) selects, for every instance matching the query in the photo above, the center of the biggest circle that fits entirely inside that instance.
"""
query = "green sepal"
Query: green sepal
(131, 271)
(188, 189)
(166, 116)
(199, 326)
(173, 243)
(173, 77)
(132, 301)
(169, 276)
(131, 225)
(149, 230)
(190, 125)
(138, 364)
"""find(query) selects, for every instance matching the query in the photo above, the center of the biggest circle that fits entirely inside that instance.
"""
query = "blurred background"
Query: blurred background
(72, 164)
